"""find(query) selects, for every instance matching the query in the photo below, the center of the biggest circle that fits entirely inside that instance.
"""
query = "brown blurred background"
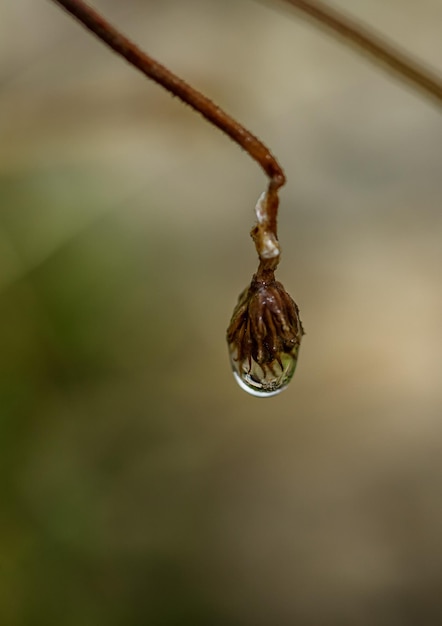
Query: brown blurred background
(139, 485)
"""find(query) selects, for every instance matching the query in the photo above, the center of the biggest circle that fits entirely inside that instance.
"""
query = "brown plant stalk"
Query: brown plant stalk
(265, 232)
(198, 101)
(369, 42)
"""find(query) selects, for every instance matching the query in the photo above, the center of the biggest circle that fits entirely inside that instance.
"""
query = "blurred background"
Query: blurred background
(139, 485)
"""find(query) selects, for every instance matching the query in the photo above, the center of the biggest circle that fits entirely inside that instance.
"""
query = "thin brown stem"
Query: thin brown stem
(178, 87)
(371, 43)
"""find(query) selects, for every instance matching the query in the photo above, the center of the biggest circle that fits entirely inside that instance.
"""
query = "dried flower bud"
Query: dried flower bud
(264, 336)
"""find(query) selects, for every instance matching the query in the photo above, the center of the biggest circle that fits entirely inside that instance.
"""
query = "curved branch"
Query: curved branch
(176, 86)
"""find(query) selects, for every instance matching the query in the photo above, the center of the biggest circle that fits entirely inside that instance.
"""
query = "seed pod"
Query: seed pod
(264, 336)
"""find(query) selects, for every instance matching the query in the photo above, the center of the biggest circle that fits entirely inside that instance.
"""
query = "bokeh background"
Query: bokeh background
(139, 485)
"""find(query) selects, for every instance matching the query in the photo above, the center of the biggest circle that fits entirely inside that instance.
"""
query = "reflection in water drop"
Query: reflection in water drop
(265, 381)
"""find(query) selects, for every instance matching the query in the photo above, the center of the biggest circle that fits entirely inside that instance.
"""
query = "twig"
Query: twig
(265, 233)
(199, 102)
(371, 43)
(175, 85)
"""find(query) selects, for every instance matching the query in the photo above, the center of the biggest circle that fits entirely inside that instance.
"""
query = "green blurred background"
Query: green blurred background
(139, 485)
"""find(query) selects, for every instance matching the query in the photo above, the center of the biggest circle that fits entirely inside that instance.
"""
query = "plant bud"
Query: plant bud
(264, 337)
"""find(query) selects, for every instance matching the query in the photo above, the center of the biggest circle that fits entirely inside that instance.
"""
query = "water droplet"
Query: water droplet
(264, 381)
(264, 336)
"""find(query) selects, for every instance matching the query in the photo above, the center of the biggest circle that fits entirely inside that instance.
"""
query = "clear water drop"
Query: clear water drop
(264, 336)
(266, 381)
